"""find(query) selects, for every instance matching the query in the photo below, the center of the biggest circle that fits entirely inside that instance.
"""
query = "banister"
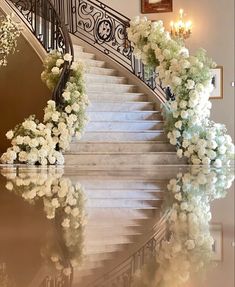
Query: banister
(49, 29)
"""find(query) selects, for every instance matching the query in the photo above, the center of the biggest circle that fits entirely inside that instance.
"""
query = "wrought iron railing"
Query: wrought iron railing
(106, 29)
(47, 26)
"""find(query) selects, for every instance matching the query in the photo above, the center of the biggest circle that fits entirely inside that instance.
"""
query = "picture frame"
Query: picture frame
(216, 231)
(156, 6)
(217, 82)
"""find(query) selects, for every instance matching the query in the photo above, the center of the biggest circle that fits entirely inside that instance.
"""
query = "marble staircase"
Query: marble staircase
(125, 127)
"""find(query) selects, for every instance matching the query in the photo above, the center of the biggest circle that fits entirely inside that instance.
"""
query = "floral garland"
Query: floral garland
(43, 143)
(187, 118)
(63, 202)
(9, 33)
(189, 247)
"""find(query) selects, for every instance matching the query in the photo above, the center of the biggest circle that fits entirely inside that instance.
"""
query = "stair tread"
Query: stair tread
(123, 131)
(122, 153)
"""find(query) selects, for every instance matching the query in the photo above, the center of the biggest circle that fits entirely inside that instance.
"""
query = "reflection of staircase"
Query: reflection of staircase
(122, 210)
(125, 128)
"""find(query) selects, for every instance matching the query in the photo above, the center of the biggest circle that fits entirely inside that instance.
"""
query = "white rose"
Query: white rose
(68, 109)
(176, 81)
(75, 107)
(178, 196)
(55, 70)
(10, 134)
(178, 124)
(59, 62)
(184, 114)
(218, 163)
(66, 223)
(66, 96)
(190, 84)
(55, 203)
(68, 57)
(206, 161)
(222, 149)
(183, 104)
(180, 153)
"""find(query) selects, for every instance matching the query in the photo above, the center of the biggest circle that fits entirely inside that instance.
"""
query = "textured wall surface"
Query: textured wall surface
(22, 92)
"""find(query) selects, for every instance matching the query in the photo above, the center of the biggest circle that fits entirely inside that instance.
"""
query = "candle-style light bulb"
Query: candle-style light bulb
(181, 13)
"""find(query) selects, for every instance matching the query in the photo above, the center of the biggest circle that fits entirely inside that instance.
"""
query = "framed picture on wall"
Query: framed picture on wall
(216, 231)
(217, 82)
(156, 6)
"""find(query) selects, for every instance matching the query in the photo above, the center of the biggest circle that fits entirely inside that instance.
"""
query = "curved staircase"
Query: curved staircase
(125, 128)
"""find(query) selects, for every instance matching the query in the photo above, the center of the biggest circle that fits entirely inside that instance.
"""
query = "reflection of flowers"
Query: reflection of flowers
(64, 202)
(188, 249)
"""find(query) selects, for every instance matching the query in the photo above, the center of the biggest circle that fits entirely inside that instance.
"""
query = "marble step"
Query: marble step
(108, 87)
(124, 107)
(101, 71)
(113, 194)
(124, 125)
(145, 146)
(123, 203)
(121, 116)
(129, 158)
(93, 63)
(116, 97)
(78, 48)
(110, 136)
(80, 55)
(102, 79)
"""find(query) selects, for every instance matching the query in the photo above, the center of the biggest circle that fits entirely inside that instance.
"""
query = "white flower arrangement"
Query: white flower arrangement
(63, 202)
(9, 34)
(189, 77)
(187, 248)
(43, 143)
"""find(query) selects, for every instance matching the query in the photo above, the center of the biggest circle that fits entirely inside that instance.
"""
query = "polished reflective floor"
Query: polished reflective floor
(166, 227)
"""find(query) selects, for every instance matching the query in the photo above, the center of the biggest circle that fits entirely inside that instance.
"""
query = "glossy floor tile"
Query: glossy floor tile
(161, 226)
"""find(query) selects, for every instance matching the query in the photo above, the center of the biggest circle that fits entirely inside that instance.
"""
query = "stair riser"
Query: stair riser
(116, 107)
(78, 49)
(120, 136)
(112, 97)
(124, 194)
(104, 79)
(93, 63)
(78, 55)
(110, 88)
(119, 159)
(119, 147)
(123, 126)
(101, 71)
(122, 116)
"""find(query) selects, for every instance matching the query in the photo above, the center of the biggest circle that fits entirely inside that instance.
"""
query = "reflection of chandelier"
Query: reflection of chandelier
(180, 28)
(4, 278)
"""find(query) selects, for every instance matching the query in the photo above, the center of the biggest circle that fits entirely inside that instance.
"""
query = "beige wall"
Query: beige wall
(21, 91)
(213, 29)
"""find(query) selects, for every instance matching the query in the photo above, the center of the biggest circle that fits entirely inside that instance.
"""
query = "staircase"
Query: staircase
(125, 128)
